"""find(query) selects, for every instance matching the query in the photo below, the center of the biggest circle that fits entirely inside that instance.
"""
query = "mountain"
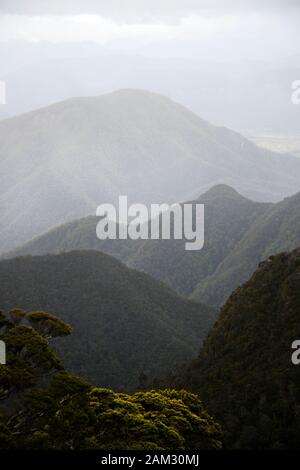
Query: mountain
(222, 92)
(239, 233)
(125, 323)
(244, 372)
(228, 215)
(78, 234)
(60, 162)
(276, 230)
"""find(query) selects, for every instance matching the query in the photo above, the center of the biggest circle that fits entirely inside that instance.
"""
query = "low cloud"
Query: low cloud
(143, 10)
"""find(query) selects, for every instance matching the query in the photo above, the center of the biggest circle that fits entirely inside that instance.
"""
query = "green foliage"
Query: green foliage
(65, 412)
(6, 438)
(93, 418)
(16, 315)
(244, 372)
(48, 325)
(29, 357)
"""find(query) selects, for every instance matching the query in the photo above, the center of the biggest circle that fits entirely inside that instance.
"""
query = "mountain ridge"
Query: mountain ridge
(239, 234)
(275, 231)
(60, 162)
(124, 322)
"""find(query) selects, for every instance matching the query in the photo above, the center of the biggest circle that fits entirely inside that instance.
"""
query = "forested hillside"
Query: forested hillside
(125, 323)
(228, 217)
(276, 230)
(239, 233)
(244, 371)
(43, 406)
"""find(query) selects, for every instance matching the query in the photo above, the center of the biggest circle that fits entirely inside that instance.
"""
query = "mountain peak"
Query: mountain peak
(142, 144)
(221, 191)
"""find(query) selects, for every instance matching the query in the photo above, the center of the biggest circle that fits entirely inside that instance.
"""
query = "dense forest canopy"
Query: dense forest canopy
(244, 372)
(124, 322)
(43, 406)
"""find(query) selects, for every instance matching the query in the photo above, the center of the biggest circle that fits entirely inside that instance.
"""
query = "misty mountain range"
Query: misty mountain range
(239, 234)
(59, 163)
(242, 95)
(111, 344)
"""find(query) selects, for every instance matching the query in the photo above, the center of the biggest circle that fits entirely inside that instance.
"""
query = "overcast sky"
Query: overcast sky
(139, 9)
(187, 49)
(216, 29)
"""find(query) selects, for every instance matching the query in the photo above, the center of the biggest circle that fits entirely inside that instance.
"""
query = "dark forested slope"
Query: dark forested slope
(276, 230)
(125, 323)
(244, 371)
(239, 233)
(228, 216)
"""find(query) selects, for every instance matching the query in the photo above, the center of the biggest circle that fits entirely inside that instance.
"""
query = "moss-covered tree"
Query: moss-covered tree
(45, 407)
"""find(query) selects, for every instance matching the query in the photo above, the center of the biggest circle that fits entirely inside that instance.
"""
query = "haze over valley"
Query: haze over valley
(59, 163)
